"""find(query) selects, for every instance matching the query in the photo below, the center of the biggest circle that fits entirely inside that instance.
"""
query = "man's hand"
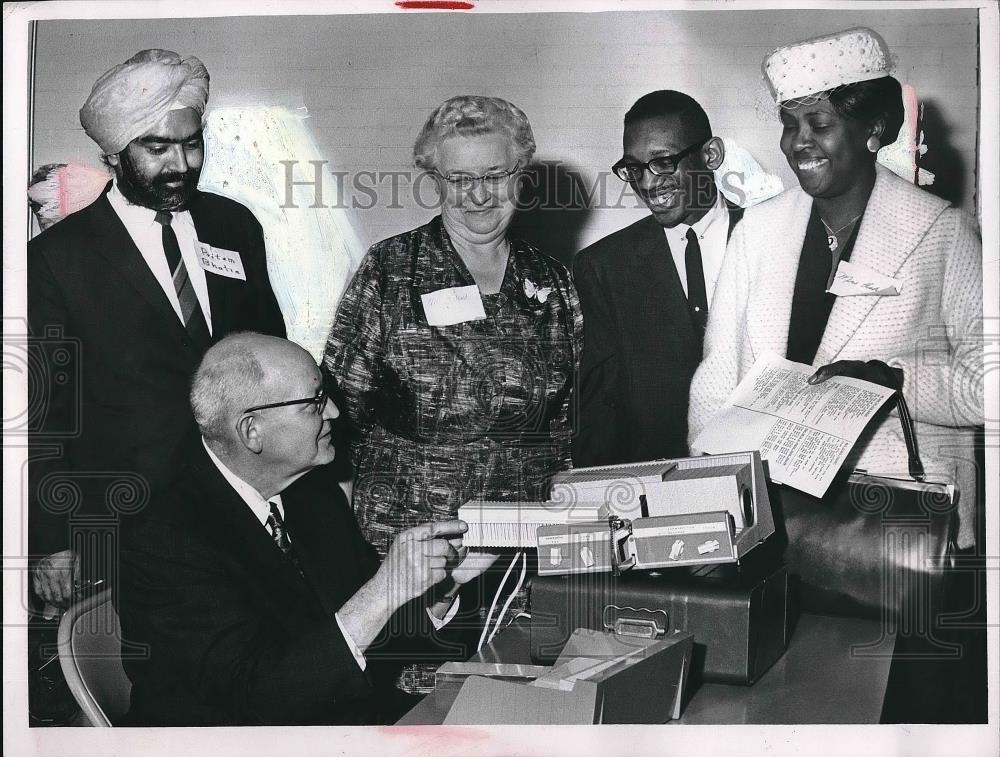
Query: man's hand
(419, 558)
(54, 576)
(875, 371)
(416, 561)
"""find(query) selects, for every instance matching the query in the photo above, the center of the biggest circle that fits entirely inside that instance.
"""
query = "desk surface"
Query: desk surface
(834, 671)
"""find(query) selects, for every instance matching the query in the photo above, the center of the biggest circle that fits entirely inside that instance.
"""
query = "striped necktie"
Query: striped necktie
(277, 525)
(191, 313)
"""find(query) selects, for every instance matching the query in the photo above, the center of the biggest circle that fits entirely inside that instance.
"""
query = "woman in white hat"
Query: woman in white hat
(838, 106)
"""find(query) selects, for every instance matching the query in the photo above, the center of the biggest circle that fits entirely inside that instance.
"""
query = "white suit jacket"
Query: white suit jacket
(932, 329)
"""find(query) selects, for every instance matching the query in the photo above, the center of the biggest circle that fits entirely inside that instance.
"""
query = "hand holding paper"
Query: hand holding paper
(804, 431)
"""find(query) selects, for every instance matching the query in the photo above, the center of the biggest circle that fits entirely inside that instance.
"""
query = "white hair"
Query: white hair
(469, 116)
(229, 380)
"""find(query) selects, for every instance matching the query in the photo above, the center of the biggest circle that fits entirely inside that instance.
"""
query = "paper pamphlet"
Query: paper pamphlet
(804, 432)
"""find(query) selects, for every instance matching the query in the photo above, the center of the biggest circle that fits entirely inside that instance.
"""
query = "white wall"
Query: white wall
(370, 81)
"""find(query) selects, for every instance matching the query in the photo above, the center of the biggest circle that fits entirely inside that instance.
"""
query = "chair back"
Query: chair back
(90, 651)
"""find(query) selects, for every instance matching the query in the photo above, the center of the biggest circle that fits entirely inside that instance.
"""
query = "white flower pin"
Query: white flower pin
(531, 291)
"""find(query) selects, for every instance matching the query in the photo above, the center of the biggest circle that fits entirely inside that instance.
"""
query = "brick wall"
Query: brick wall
(369, 82)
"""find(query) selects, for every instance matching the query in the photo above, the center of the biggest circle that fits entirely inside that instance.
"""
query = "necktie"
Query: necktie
(194, 318)
(278, 533)
(697, 297)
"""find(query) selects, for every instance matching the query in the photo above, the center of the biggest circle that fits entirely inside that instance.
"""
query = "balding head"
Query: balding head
(236, 373)
(262, 405)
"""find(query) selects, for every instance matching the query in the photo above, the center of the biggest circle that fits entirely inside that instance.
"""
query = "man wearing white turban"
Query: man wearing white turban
(124, 298)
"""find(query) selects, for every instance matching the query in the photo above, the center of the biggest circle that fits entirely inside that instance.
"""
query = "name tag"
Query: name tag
(853, 280)
(217, 260)
(446, 307)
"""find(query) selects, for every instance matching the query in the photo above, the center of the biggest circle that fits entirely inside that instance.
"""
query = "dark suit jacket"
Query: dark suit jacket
(110, 398)
(234, 634)
(640, 349)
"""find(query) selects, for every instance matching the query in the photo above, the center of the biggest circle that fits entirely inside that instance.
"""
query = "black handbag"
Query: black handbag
(873, 546)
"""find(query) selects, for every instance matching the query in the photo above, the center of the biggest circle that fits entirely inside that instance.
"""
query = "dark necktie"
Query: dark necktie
(277, 525)
(194, 318)
(697, 297)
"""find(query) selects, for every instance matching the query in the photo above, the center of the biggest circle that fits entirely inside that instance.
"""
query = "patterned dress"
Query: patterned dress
(477, 410)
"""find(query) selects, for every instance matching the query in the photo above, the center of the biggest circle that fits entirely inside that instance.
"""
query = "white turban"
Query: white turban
(132, 98)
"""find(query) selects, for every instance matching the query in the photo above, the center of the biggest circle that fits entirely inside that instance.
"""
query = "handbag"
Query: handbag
(873, 546)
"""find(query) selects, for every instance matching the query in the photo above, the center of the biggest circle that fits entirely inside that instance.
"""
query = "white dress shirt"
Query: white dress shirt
(713, 234)
(147, 234)
(261, 509)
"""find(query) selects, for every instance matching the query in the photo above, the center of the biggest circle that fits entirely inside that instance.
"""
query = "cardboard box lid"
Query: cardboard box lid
(599, 678)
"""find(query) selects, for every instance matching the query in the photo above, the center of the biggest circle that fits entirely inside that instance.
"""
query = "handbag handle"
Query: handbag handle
(916, 467)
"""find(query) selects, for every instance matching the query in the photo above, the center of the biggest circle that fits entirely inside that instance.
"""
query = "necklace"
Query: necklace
(831, 235)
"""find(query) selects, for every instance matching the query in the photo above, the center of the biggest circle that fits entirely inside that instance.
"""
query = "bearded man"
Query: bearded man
(124, 298)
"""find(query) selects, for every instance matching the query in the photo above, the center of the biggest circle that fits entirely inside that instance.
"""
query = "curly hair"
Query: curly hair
(469, 116)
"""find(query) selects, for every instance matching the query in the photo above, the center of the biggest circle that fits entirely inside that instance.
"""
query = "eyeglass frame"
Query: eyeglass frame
(673, 160)
(319, 399)
(493, 180)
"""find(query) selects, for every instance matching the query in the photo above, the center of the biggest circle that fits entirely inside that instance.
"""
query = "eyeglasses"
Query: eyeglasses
(665, 165)
(318, 400)
(465, 182)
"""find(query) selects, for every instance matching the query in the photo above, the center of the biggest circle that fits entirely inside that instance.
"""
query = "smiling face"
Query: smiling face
(826, 151)
(160, 170)
(687, 194)
(481, 213)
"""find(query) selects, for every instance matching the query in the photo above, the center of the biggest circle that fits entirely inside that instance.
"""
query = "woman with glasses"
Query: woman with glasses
(852, 220)
(456, 345)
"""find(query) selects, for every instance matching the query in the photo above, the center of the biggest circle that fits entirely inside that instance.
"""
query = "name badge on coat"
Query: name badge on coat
(221, 261)
(446, 307)
(853, 280)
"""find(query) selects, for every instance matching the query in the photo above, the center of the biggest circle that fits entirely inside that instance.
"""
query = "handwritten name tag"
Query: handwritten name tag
(853, 280)
(446, 307)
(223, 262)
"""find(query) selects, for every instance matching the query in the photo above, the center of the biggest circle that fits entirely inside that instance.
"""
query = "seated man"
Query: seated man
(247, 580)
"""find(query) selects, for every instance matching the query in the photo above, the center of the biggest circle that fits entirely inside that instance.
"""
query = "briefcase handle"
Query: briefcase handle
(916, 467)
(640, 622)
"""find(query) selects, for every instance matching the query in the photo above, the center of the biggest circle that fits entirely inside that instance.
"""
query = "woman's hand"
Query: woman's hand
(875, 371)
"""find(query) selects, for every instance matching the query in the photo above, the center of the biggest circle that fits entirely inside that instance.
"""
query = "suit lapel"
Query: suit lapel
(885, 240)
(657, 278)
(325, 538)
(112, 241)
(780, 232)
(219, 287)
(224, 513)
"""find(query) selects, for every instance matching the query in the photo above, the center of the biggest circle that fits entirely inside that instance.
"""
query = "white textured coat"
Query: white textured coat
(932, 329)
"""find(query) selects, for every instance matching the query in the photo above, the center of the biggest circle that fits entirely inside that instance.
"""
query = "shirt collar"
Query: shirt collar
(715, 214)
(257, 504)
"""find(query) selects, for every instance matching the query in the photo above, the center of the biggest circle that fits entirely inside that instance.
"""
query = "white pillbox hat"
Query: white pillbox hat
(822, 63)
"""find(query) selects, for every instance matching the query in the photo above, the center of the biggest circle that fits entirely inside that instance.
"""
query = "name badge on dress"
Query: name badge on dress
(853, 280)
(446, 307)
(218, 260)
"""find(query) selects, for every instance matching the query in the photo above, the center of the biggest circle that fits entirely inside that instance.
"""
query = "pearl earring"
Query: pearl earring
(873, 144)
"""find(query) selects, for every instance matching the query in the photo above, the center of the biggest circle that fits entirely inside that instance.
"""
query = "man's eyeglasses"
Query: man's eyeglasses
(318, 401)
(665, 165)
(465, 182)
